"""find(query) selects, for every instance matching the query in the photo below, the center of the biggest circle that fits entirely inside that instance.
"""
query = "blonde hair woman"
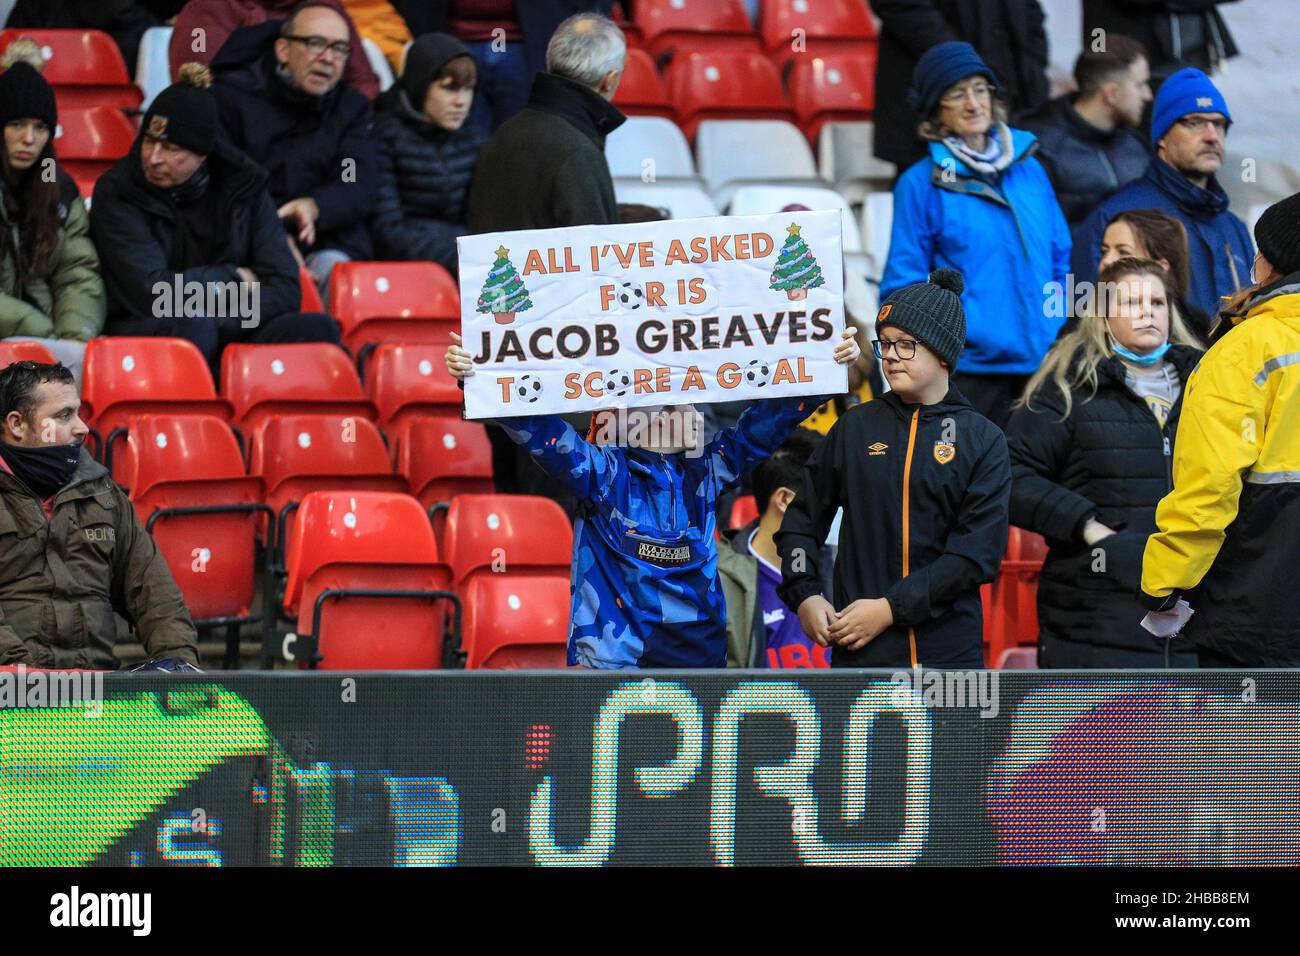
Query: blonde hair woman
(1091, 443)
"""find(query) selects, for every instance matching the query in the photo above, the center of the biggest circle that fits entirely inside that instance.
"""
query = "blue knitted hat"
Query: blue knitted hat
(939, 68)
(1187, 91)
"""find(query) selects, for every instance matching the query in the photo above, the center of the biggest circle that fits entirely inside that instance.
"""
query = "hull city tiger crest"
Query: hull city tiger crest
(158, 127)
(944, 452)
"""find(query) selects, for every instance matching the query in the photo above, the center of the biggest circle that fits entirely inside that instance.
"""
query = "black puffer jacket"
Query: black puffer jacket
(1007, 34)
(317, 146)
(1085, 164)
(1111, 460)
(424, 177)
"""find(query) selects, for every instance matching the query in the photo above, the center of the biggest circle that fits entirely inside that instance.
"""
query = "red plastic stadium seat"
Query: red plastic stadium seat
(394, 302)
(444, 457)
(298, 454)
(193, 461)
(743, 511)
(411, 380)
(1011, 606)
(506, 534)
(374, 542)
(262, 381)
(516, 622)
(125, 377)
(11, 352)
(88, 142)
(85, 68)
(668, 25)
(732, 84)
(832, 88)
(825, 26)
(311, 301)
(641, 92)
(1019, 659)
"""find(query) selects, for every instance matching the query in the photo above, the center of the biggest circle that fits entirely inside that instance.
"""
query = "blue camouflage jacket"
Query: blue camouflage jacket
(645, 586)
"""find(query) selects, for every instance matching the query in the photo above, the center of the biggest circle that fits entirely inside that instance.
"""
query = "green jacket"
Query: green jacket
(69, 302)
(746, 632)
(63, 575)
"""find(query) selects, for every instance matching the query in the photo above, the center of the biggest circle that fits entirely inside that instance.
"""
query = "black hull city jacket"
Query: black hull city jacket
(925, 491)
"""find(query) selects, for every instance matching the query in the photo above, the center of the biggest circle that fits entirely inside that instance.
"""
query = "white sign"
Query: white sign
(657, 313)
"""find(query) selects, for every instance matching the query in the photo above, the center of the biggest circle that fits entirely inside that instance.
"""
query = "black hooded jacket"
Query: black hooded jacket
(140, 234)
(1108, 459)
(925, 495)
(321, 147)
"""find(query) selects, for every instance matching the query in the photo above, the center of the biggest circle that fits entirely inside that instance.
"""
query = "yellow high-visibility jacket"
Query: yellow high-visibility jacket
(1231, 526)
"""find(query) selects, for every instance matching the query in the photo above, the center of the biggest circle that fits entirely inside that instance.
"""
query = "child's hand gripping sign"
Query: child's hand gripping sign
(659, 313)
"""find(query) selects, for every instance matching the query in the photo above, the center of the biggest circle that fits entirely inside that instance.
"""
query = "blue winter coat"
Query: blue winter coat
(1211, 231)
(1006, 236)
(424, 177)
(645, 584)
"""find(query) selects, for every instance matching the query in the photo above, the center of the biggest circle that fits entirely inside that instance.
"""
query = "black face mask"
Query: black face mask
(45, 469)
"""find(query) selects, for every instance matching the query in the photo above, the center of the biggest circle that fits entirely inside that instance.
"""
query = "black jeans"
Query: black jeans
(1055, 652)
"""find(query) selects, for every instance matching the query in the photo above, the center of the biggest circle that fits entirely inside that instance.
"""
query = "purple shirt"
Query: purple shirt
(787, 645)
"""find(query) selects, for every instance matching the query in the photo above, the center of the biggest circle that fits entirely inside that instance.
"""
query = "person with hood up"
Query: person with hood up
(427, 153)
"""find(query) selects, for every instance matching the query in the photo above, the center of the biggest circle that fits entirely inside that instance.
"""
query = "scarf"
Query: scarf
(44, 469)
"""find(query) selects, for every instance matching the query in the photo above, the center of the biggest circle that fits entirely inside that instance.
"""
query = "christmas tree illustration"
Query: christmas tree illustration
(796, 270)
(503, 293)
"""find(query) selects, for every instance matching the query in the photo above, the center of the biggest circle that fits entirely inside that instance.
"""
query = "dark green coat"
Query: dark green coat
(67, 303)
(63, 576)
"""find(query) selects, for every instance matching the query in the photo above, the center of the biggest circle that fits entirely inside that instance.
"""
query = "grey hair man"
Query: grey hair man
(544, 168)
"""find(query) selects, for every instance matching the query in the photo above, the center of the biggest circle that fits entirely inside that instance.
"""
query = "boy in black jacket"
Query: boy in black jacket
(925, 484)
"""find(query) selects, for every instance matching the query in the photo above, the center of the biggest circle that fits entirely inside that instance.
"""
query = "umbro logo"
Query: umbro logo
(877, 448)
(1204, 101)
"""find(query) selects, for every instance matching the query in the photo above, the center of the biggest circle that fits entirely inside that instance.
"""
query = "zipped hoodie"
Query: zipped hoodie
(925, 491)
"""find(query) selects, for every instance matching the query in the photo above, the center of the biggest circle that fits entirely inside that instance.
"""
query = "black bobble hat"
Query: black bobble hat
(24, 92)
(186, 112)
(931, 311)
(1277, 235)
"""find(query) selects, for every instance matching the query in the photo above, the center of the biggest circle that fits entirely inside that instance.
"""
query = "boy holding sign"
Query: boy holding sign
(925, 484)
(646, 591)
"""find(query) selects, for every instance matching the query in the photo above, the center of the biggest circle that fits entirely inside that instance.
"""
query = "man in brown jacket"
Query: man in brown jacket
(71, 548)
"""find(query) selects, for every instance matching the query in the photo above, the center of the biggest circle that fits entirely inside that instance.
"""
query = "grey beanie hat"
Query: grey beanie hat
(932, 312)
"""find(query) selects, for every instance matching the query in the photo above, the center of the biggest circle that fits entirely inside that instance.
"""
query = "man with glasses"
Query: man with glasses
(1189, 126)
(279, 87)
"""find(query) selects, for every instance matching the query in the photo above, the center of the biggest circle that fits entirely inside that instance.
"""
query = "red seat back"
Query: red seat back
(375, 541)
(743, 511)
(445, 457)
(407, 379)
(506, 534)
(392, 301)
(516, 621)
(125, 377)
(189, 461)
(298, 454)
(725, 84)
(101, 134)
(11, 352)
(641, 92)
(822, 26)
(668, 25)
(85, 68)
(834, 87)
(311, 300)
(265, 380)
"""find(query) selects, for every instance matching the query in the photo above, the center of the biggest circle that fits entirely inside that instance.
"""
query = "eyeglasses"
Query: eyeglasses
(1195, 124)
(904, 348)
(982, 91)
(318, 45)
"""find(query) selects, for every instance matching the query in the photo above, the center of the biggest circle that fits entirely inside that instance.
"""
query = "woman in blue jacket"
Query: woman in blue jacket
(981, 204)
